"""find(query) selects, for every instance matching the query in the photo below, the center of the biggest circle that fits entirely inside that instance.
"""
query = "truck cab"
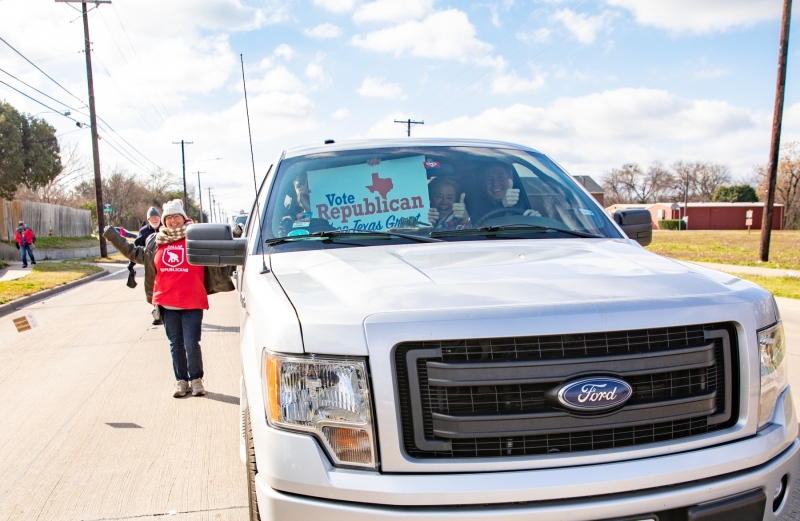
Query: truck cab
(456, 329)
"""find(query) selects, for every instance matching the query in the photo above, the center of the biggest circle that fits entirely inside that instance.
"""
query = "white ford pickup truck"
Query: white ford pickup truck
(455, 329)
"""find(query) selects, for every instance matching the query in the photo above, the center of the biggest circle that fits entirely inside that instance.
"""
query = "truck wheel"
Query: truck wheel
(251, 467)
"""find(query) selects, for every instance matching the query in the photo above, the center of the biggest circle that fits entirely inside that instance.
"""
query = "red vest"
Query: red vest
(178, 284)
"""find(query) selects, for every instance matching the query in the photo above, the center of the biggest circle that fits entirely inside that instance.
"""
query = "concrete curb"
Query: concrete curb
(16, 305)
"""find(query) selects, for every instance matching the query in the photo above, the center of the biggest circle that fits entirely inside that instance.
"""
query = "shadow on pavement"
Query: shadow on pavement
(233, 400)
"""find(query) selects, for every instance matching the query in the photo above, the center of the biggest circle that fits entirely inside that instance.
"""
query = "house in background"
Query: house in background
(592, 187)
(709, 216)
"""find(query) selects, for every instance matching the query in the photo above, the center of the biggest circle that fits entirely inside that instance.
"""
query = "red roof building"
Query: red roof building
(709, 216)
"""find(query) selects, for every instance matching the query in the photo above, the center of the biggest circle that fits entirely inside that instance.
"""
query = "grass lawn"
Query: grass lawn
(729, 247)
(114, 257)
(788, 287)
(61, 243)
(45, 275)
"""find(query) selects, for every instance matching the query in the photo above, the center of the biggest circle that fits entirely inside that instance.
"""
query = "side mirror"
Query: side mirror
(213, 245)
(637, 225)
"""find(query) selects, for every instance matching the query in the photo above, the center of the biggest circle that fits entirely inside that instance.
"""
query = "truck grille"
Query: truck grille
(480, 398)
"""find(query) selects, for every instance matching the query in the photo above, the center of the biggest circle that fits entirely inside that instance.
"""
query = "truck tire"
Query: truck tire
(250, 464)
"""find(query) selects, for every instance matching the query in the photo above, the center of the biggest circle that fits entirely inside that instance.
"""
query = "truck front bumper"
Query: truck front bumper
(277, 505)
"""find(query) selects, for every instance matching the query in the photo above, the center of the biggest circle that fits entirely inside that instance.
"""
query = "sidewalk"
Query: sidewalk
(749, 270)
(14, 271)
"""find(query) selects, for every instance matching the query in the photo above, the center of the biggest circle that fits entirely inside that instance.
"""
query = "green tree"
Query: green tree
(735, 194)
(29, 152)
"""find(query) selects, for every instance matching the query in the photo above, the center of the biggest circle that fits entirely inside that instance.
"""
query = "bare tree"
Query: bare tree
(787, 187)
(75, 166)
(630, 184)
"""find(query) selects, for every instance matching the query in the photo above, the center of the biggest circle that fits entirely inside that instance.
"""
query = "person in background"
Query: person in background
(148, 228)
(177, 290)
(25, 238)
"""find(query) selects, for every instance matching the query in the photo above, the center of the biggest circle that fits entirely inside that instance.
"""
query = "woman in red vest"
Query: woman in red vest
(178, 291)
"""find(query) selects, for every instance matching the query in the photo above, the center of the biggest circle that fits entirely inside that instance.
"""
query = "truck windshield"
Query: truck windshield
(447, 193)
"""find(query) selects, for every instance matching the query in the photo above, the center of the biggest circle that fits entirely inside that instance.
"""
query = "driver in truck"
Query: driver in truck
(497, 191)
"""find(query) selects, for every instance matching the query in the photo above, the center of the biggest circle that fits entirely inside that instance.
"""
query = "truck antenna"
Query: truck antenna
(264, 268)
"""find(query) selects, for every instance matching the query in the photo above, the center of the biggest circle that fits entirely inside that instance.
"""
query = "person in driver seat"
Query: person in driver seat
(496, 191)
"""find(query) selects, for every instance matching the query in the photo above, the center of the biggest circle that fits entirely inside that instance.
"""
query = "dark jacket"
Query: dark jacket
(216, 279)
(144, 232)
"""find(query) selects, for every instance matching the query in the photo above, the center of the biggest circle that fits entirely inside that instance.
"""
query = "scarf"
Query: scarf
(167, 235)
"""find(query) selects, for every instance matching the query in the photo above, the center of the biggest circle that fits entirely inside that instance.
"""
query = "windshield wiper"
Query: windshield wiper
(328, 234)
(513, 227)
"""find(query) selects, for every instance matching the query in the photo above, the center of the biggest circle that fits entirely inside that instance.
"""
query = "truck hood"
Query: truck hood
(335, 290)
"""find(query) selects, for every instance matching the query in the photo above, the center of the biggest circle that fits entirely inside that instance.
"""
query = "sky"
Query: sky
(592, 83)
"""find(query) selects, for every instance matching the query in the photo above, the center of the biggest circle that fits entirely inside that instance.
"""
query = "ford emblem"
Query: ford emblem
(594, 394)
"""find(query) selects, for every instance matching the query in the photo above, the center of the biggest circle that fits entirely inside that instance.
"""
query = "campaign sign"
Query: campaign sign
(375, 195)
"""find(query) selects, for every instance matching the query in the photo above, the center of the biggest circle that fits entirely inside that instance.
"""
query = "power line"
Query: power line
(40, 70)
(113, 8)
(111, 33)
(40, 92)
(79, 111)
(80, 124)
(127, 143)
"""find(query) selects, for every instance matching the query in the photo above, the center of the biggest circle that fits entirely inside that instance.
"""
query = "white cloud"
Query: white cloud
(342, 113)
(583, 26)
(336, 6)
(326, 30)
(537, 36)
(512, 84)
(284, 51)
(380, 88)
(278, 79)
(316, 74)
(446, 35)
(702, 16)
(392, 11)
(590, 134)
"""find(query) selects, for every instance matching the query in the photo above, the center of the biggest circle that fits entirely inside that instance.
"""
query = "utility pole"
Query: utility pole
(686, 203)
(213, 203)
(200, 195)
(211, 210)
(409, 122)
(183, 162)
(777, 121)
(98, 182)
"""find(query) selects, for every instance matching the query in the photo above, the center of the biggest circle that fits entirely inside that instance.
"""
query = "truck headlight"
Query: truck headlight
(328, 397)
(772, 352)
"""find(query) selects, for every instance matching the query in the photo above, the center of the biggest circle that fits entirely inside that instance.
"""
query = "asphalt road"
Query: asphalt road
(89, 430)
(88, 426)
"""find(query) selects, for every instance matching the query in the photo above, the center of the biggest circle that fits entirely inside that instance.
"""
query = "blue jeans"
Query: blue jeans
(26, 248)
(183, 330)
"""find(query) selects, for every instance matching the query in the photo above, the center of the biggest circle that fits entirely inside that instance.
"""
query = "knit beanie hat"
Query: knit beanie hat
(174, 207)
(153, 212)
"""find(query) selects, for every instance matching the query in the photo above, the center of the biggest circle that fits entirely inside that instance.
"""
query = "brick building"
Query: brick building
(709, 216)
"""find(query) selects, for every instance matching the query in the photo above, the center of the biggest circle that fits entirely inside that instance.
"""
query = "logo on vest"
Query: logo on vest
(173, 255)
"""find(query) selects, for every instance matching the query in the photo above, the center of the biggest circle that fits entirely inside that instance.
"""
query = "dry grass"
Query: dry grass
(788, 287)
(728, 247)
(45, 275)
(117, 258)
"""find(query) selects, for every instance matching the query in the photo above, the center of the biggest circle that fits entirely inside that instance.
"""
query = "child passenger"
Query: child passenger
(447, 206)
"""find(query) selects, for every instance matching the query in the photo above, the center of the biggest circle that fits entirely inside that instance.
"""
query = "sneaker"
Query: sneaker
(158, 322)
(197, 387)
(181, 388)
(33, 262)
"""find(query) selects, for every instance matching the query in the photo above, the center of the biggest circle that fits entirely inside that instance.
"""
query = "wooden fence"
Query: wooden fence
(44, 219)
